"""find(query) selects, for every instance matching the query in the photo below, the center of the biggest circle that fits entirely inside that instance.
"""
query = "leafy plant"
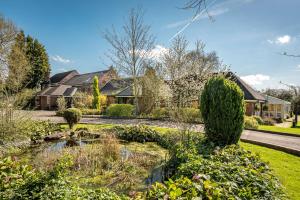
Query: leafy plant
(72, 116)
(188, 115)
(269, 121)
(251, 123)
(214, 173)
(259, 120)
(158, 113)
(96, 94)
(61, 104)
(120, 110)
(222, 108)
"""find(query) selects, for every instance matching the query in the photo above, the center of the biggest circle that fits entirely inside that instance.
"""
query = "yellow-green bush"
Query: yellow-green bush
(160, 113)
(251, 122)
(120, 110)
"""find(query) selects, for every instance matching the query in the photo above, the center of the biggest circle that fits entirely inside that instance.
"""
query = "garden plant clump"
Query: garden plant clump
(72, 116)
(120, 110)
(251, 123)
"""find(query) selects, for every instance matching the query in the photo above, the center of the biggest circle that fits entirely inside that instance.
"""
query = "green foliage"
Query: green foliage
(143, 134)
(39, 63)
(25, 99)
(120, 110)
(222, 108)
(72, 116)
(188, 115)
(259, 120)
(61, 103)
(83, 100)
(251, 123)
(269, 121)
(19, 181)
(87, 111)
(159, 113)
(39, 129)
(228, 173)
(96, 94)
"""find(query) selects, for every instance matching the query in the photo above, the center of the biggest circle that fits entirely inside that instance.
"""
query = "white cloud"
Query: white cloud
(158, 52)
(255, 79)
(60, 59)
(285, 39)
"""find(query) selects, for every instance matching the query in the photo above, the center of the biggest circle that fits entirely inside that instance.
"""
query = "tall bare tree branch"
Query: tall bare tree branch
(131, 50)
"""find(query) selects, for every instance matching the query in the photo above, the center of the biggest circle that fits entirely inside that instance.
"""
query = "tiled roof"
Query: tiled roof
(60, 90)
(249, 92)
(56, 78)
(115, 86)
(274, 100)
(127, 92)
(84, 79)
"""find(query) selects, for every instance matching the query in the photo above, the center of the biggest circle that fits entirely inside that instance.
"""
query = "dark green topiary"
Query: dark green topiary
(72, 116)
(222, 108)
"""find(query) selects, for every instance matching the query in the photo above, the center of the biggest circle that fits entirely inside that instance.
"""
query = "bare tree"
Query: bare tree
(8, 33)
(188, 71)
(131, 49)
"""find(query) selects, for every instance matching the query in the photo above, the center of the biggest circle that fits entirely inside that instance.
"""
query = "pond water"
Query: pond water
(126, 150)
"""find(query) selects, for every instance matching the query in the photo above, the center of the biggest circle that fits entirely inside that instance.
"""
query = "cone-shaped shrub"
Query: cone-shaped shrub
(222, 109)
(72, 116)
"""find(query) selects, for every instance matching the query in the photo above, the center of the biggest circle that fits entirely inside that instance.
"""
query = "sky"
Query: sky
(248, 35)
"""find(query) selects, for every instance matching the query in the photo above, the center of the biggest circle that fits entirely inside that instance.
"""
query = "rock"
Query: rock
(54, 136)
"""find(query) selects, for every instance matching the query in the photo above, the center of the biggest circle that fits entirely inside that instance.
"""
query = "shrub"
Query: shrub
(259, 120)
(189, 115)
(269, 121)
(72, 116)
(159, 113)
(228, 173)
(222, 108)
(120, 110)
(96, 94)
(20, 181)
(25, 99)
(87, 111)
(82, 100)
(61, 104)
(251, 123)
(279, 120)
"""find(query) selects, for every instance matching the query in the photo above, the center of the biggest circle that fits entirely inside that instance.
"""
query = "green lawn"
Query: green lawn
(280, 129)
(285, 166)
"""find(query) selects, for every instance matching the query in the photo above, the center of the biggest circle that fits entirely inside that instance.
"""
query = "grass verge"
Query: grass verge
(285, 166)
(280, 129)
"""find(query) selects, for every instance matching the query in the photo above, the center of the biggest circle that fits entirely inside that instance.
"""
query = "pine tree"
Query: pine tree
(96, 94)
(39, 62)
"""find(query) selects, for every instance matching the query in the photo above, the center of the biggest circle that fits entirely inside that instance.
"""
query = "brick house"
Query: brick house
(66, 84)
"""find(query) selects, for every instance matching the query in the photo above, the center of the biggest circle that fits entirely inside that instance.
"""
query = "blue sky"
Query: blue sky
(248, 35)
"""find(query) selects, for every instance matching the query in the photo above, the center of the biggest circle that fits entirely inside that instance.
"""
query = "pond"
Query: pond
(104, 162)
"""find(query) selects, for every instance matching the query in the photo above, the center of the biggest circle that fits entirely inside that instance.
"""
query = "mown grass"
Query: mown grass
(280, 129)
(285, 166)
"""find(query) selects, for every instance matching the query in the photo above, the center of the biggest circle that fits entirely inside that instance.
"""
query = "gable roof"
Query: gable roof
(59, 90)
(56, 78)
(115, 86)
(85, 79)
(275, 100)
(249, 92)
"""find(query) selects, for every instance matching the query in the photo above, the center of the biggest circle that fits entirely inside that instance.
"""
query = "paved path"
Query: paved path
(288, 144)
